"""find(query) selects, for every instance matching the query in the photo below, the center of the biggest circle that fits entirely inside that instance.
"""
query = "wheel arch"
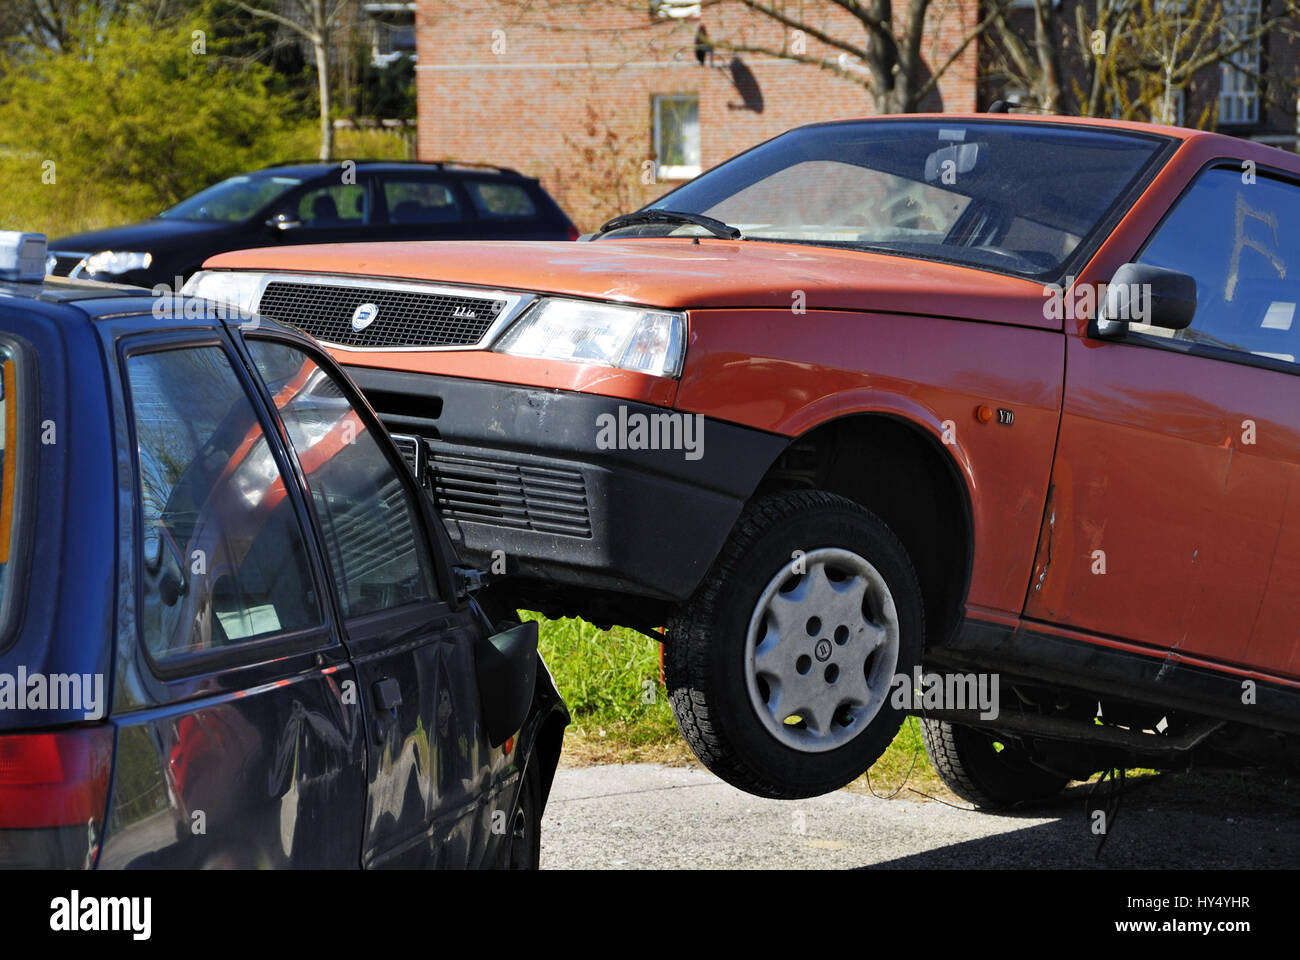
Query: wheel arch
(918, 485)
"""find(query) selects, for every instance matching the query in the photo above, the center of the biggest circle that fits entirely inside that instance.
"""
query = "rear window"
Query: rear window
(501, 199)
(420, 201)
(14, 448)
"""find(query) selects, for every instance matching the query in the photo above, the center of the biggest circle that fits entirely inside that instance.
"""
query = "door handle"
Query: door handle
(388, 697)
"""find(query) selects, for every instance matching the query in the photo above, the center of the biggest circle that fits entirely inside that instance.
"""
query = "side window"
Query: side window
(1241, 241)
(340, 205)
(500, 200)
(223, 559)
(371, 522)
(418, 200)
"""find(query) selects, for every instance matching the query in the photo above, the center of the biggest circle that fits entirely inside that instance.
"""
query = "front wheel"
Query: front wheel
(780, 667)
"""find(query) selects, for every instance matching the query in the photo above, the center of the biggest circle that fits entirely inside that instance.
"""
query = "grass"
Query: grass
(610, 680)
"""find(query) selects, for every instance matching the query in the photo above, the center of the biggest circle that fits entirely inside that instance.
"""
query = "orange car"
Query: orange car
(989, 419)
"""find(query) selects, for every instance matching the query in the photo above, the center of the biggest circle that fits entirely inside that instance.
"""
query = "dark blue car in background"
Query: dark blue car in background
(345, 202)
(232, 630)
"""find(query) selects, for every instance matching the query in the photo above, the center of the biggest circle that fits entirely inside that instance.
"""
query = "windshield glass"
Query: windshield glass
(1014, 197)
(231, 200)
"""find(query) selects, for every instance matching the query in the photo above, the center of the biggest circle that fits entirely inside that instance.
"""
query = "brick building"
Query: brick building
(612, 102)
(597, 98)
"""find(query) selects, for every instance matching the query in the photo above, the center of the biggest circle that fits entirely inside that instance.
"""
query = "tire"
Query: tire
(731, 708)
(525, 848)
(968, 761)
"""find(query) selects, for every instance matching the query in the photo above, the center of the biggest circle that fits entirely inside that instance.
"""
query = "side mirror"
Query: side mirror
(506, 669)
(284, 221)
(1145, 294)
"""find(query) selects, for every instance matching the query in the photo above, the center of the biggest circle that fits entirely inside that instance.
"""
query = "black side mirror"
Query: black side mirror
(506, 668)
(1145, 294)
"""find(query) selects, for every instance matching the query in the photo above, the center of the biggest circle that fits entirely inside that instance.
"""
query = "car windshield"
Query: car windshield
(231, 200)
(1001, 195)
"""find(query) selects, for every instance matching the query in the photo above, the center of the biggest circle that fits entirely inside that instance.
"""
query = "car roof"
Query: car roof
(91, 300)
(308, 169)
(65, 290)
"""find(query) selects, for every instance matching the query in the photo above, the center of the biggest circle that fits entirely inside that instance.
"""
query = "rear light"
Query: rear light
(573, 232)
(53, 796)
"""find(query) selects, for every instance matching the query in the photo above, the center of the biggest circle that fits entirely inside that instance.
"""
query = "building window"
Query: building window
(675, 9)
(1238, 94)
(677, 136)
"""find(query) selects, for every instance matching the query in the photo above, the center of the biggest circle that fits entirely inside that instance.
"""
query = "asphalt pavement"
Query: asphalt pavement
(638, 816)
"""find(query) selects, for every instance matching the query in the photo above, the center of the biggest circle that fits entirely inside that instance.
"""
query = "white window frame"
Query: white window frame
(680, 171)
(1238, 93)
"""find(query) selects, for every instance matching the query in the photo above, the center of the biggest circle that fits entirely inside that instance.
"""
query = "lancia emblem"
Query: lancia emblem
(363, 316)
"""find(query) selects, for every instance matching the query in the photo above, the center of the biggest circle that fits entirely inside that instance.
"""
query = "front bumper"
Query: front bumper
(519, 470)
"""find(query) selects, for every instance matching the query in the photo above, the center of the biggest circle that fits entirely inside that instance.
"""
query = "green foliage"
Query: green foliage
(133, 116)
(606, 677)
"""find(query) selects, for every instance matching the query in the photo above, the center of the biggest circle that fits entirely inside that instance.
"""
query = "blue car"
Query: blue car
(233, 632)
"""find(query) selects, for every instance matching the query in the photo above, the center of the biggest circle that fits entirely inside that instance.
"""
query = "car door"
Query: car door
(240, 741)
(330, 211)
(422, 206)
(435, 784)
(1175, 510)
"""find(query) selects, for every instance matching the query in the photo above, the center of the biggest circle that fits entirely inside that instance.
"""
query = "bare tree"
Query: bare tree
(886, 39)
(315, 20)
(1125, 58)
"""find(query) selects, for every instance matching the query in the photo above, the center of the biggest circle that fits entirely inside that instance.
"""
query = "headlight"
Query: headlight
(111, 261)
(232, 287)
(633, 338)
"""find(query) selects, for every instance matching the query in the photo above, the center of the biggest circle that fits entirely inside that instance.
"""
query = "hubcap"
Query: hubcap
(821, 650)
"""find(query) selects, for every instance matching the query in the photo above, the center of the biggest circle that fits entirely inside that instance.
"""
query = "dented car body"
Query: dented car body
(1024, 390)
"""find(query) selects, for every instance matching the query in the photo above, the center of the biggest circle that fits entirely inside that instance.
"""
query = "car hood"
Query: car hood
(680, 274)
(148, 236)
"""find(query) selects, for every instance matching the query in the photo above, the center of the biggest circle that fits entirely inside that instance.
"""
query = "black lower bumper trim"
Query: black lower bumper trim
(521, 475)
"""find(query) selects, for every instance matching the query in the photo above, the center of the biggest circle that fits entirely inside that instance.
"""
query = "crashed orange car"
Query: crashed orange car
(990, 419)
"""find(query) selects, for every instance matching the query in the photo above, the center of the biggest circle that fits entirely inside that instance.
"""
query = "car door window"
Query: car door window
(369, 516)
(337, 206)
(223, 558)
(420, 200)
(500, 200)
(1239, 236)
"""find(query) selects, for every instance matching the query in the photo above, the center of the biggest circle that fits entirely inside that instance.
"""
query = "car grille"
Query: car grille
(544, 499)
(404, 319)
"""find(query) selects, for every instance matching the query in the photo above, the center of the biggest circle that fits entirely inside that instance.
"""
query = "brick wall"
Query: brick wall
(562, 89)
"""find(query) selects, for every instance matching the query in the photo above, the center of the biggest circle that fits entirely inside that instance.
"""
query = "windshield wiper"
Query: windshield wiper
(719, 229)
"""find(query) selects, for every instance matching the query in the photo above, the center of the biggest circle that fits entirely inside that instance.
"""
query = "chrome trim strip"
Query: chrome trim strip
(516, 303)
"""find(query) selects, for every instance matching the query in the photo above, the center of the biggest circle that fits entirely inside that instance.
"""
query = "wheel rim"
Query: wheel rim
(821, 650)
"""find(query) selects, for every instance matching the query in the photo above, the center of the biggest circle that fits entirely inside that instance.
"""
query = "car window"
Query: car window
(848, 202)
(223, 559)
(983, 193)
(231, 200)
(369, 517)
(1238, 235)
(340, 205)
(420, 200)
(503, 200)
